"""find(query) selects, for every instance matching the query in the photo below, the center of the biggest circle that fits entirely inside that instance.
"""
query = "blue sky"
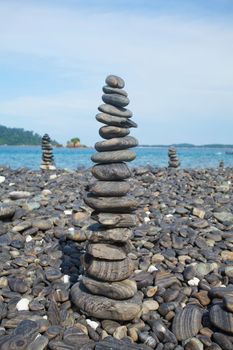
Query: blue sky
(175, 56)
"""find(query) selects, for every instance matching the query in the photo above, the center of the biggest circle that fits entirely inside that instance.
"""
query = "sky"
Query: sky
(176, 57)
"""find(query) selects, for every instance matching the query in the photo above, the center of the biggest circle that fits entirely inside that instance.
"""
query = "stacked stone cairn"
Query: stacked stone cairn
(173, 159)
(106, 290)
(47, 154)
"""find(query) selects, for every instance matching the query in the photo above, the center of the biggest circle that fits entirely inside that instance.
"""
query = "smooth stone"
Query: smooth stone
(116, 144)
(115, 121)
(110, 326)
(114, 81)
(19, 194)
(115, 100)
(110, 343)
(116, 111)
(13, 342)
(109, 132)
(43, 224)
(116, 220)
(224, 216)
(221, 318)
(227, 255)
(2, 179)
(40, 343)
(114, 156)
(111, 204)
(109, 271)
(228, 302)
(113, 235)
(105, 308)
(120, 332)
(17, 285)
(223, 341)
(6, 211)
(187, 322)
(116, 290)
(111, 171)
(106, 251)
(109, 188)
(194, 344)
(111, 90)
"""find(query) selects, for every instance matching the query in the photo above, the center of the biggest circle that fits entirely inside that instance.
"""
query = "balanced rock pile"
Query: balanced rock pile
(106, 291)
(173, 159)
(47, 154)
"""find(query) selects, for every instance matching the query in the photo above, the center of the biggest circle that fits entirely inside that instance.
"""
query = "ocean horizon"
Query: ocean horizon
(73, 158)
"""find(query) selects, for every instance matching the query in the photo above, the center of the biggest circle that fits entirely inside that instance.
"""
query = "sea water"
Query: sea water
(30, 157)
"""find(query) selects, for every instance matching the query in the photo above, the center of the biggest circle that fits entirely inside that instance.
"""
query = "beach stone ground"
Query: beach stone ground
(182, 249)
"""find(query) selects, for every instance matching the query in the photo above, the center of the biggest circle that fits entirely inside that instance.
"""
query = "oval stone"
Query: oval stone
(111, 171)
(115, 220)
(109, 188)
(116, 144)
(110, 271)
(105, 308)
(109, 132)
(111, 204)
(187, 322)
(115, 100)
(115, 81)
(117, 111)
(115, 121)
(106, 251)
(115, 290)
(109, 90)
(120, 235)
(221, 318)
(114, 156)
(6, 211)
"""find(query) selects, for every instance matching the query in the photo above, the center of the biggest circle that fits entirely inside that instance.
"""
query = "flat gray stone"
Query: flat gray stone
(106, 251)
(109, 132)
(116, 220)
(6, 211)
(109, 188)
(111, 204)
(221, 318)
(119, 235)
(115, 81)
(115, 100)
(114, 156)
(117, 143)
(111, 171)
(115, 121)
(105, 308)
(115, 290)
(110, 90)
(116, 111)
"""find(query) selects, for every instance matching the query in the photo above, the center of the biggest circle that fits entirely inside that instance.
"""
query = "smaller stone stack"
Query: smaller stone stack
(221, 165)
(173, 159)
(106, 290)
(47, 154)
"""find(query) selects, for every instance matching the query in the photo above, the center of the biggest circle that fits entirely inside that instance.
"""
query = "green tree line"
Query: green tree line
(18, 136)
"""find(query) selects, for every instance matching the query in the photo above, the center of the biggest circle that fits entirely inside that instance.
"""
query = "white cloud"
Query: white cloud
(178, 70)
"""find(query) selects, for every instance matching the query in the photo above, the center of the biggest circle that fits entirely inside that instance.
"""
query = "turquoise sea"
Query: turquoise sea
(17, 157)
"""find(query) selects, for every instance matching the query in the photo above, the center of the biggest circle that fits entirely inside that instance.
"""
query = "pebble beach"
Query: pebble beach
(182, 250)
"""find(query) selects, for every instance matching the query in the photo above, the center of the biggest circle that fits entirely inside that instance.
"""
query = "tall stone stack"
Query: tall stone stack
(173, 159)
(106, 290)
(47, 154)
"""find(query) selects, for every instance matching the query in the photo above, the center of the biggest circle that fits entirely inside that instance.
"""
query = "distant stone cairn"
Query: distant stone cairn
(173, 159)
(106, 290)
(47, 154)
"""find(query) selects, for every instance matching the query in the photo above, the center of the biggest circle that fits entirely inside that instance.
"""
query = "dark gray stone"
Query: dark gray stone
(114, 156)
(116, 144)
(115, 100)
(116, 111)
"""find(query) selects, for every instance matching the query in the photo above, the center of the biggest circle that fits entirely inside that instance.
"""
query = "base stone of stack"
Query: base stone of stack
(105, 308)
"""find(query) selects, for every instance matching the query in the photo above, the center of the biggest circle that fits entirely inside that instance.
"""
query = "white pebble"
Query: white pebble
(11, 184)
(22, 305)
(152, 268)
(28, 238)
(92, 324)
(194, 282)
(68, 212)
(71, 229)
(2, 179)
(169, 216)
(52, 177)
(46, 192)
(66, 278)
(146, 219)
(45, 317)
